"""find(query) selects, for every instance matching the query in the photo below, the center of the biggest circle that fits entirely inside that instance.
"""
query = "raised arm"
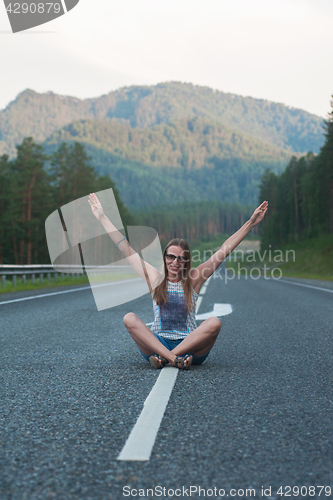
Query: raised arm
(147, 272)
(97, 210)
(206, 269)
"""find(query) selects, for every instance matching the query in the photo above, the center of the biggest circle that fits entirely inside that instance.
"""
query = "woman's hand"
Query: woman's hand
(259, 214)
(96, 206)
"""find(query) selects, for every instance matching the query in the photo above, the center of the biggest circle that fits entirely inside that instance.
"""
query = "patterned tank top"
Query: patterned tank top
(171, 318)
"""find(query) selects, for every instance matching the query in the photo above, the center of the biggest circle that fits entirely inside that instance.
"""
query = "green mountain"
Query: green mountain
(168, 143)
(39, 115)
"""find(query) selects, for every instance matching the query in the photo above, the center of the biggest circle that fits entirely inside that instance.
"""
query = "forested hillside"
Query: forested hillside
(188, 160)
(189, 143)
(143, 186)
(38, 115)
(301, 198)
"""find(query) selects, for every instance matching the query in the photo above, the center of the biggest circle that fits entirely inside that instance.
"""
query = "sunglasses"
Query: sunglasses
(170, 257)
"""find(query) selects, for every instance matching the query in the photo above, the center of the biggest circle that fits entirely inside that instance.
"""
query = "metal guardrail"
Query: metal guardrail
(33, 271)
(40, 270)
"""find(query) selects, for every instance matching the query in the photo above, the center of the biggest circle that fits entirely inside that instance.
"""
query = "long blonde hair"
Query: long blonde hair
(160, 293)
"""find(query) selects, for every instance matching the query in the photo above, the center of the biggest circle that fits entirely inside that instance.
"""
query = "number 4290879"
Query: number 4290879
(34, 8)
(303, 491)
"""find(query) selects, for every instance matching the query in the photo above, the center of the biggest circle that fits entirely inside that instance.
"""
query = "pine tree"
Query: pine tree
(82, 175)
(323, 179)
(31, 200)
(73, 175)
(60, 174)
(5, 197)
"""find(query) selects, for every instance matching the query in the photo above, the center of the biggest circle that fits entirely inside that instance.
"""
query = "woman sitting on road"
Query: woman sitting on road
(174, 336)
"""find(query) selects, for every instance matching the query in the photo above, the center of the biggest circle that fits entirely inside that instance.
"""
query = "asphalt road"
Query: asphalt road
(257, 413)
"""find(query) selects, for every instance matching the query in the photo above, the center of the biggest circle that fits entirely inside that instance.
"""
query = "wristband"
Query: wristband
(121, 241)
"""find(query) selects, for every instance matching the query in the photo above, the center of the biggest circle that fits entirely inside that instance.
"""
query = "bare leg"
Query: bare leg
(145, 339)
(200, 340)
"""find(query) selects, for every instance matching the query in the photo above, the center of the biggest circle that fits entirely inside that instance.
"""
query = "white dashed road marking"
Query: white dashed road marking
(218, 310)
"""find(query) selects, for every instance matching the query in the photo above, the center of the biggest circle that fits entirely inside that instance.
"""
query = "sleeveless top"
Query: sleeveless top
(171, 318)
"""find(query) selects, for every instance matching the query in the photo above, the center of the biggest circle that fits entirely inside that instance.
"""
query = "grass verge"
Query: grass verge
(310, 259)
(65, 281)
(28, 285)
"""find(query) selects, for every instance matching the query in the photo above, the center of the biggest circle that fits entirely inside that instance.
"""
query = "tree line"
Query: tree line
(29, 192)
(196, 221)
(301, 198)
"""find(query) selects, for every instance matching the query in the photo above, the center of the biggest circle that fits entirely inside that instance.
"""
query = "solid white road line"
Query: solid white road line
(141, 440)
(307, 286)
(68, 291)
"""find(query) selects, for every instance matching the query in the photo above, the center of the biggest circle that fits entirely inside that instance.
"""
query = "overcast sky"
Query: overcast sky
(280, 50)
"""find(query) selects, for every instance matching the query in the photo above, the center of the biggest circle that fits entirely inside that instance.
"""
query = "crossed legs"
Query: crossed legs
(198, 342)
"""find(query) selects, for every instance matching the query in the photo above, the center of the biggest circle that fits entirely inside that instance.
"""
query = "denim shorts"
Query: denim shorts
(171, 344)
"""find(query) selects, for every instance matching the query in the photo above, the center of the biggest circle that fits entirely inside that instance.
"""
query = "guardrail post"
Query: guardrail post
(41, 277)
(14, 280)
(55, 276)
(48, 277)
(33, 278)
(3, 281)
(24, 279)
